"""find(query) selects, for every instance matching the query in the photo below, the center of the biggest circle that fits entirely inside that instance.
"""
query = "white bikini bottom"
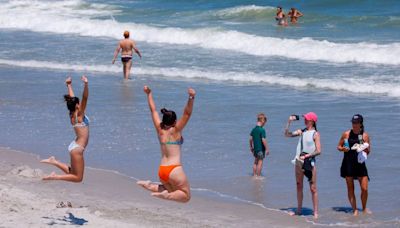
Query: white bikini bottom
(74, 145)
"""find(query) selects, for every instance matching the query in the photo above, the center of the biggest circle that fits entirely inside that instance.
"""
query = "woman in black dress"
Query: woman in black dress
(353, 164)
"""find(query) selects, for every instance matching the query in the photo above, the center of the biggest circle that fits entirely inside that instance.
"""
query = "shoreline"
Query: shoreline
(97, 202)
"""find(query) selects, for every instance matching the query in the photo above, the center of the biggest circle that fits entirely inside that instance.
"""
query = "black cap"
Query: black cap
(357, 118)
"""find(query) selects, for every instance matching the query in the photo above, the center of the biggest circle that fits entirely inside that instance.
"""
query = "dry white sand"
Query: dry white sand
(107, 199)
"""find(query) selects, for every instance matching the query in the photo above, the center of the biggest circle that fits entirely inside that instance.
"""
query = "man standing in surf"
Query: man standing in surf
(126, 46)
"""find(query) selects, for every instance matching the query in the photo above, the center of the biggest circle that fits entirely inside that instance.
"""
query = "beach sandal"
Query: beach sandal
(63, 204)
(362, 147)
(355, 146)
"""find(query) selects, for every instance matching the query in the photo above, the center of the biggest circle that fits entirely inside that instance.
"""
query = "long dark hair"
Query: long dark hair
(360, 119)
(71, 103)
(314, 125)
(168, 119)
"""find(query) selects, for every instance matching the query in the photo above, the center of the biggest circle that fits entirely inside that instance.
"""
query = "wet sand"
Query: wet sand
(108, 199)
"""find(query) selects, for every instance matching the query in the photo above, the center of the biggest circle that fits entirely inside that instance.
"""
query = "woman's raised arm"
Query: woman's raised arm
(153, 110)
(68, 81)
(85, 95)
(187, 112)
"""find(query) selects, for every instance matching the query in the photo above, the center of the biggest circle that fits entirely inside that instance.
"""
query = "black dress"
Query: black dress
(350, 166)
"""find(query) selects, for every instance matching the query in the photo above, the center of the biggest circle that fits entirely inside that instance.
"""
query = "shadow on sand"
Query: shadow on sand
(347, 210)
(67, 220)
(305, 210)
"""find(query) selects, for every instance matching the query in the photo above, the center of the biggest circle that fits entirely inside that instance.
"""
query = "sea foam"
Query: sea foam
(370, 86)
(80, 18)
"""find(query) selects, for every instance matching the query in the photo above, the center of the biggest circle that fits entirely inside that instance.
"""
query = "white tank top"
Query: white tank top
(308, 142)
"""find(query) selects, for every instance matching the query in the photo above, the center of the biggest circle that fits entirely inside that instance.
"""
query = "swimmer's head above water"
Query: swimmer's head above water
(72, 103)
(169, 118)
(126, 34)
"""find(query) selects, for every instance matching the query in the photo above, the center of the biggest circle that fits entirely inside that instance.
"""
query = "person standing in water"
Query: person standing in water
(126, 46)
(308, 147)
(294, 14)
(353, 163)
(80, 124)
(258, 144)
(174, 184)
(280, 17)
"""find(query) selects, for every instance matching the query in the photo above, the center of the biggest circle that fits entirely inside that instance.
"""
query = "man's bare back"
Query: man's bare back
(126, 47)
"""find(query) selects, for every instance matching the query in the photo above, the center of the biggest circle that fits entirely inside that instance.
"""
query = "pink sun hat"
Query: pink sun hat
(311, 116)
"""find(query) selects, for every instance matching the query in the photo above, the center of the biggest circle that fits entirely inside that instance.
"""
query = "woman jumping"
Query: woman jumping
(80, 123)
(174, 184)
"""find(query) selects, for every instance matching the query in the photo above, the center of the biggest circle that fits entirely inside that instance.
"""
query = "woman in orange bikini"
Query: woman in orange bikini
(174, 184)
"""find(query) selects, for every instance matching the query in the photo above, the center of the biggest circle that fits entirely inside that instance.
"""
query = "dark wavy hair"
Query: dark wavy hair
(314, 125)
(71, 103)
(168, 119)
(362, 128)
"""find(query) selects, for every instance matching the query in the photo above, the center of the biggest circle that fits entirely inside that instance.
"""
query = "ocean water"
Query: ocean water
(340, 59)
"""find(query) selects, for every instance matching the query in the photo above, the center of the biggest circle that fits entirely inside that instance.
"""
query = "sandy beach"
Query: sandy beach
(108, 199)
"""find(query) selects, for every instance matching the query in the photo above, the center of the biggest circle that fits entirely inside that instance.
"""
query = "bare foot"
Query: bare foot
(161, 195)
(367, 211)
(315, 215)
(51, 160)
(149, 186)
(299, 212)
(355, 213)
(50, 177)
(291, 213)
(145, 184)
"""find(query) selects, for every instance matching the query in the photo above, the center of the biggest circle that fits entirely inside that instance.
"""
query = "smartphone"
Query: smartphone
(294, 117)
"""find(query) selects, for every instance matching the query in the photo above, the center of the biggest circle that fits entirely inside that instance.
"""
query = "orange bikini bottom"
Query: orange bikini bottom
(165, 170)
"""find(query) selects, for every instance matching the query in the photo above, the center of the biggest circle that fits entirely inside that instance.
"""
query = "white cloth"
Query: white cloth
(362, 157)
(360, 147)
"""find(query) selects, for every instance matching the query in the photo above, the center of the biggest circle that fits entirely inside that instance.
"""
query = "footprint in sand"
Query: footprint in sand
(26, 171)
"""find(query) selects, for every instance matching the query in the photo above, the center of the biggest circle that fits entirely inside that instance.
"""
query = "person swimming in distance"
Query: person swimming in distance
(294, 14)
(80, 124)
(126, 46)
(280, 17)
(174, 184)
